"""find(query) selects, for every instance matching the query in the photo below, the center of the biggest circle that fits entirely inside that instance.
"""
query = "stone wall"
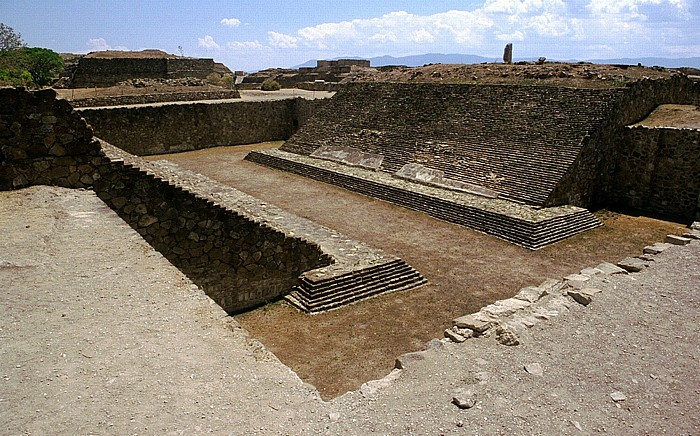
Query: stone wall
(518, 141)
(658, 171)
(242, 252)
(174, 128)
(161, 97)
(101, 72)
(44, 142)
(591, 180)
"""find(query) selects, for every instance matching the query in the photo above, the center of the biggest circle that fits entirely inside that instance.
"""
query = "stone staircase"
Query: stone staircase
(319, 292)
(521, 224)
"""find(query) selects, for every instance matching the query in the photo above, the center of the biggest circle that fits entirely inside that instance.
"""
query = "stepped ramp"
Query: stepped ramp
(515, 141)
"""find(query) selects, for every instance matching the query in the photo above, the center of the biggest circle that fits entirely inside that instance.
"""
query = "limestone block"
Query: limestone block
(531, 294)
(404, 360)
(503, 308)
(584, 296)
(577, 281)
(632, 264)
(454, 336)
(608, 268)
(591, 271)
(479, 322)
(677, 240)
(657, 248)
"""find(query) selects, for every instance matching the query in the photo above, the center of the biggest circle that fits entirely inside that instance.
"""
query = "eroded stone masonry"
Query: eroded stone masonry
(242, 252)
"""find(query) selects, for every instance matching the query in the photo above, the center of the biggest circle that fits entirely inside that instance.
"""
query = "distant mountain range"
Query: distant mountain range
(437, 58)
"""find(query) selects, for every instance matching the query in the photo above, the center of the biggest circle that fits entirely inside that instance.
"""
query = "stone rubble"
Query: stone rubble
(533, 304)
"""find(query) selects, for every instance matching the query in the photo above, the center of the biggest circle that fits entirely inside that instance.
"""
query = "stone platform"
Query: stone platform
(528, 226)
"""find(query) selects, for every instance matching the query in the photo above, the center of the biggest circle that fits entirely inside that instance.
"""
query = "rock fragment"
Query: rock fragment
(584, 296)
(464, 399)
(632, 264)
(677, 240)
(506, 336)
(657, 248)
(618, 396)
(534, 369)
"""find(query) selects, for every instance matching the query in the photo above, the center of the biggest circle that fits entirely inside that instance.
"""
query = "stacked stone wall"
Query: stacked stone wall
(43, 141)
(658, 171)
(174, 128)
(121, 100)
(518, 141)
(237, 260)
(242, 252)
(100, 72)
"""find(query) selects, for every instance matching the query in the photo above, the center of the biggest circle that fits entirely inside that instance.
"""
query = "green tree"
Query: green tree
(9, 39)
(43, 64)
(39, 65)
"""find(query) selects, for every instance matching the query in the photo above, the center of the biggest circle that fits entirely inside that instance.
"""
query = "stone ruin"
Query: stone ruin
(523, 163)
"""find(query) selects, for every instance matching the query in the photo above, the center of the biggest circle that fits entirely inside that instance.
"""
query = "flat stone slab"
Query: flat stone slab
(608, 268)
(632, 264)
(677, 240)
(657, 248)
(478, 322)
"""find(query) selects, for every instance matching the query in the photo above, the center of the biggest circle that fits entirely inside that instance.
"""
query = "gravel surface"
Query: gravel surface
(101, 335)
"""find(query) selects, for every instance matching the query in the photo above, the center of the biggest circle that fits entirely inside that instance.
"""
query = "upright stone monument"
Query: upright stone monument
(508, 53)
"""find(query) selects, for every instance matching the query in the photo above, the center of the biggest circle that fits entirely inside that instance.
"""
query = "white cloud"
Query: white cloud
(231, 22)
(399, 28)
(518, 7)
(629, 7)
(244, 45)
(208, 43)
(280, 40)
(422, 36)
(100, 44)
(548, 24)
(510, 37)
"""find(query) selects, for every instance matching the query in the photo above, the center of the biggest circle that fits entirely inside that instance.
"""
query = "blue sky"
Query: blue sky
(255, 34)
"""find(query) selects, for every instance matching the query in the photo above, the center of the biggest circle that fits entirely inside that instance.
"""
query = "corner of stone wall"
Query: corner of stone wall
(44, 141)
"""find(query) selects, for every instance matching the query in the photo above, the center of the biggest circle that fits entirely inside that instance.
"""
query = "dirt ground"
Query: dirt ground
(339, 350)
(679, 116)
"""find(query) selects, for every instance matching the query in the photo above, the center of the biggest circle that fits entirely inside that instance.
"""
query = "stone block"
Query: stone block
(695, 234)
(503, 308)
(657, 248)
(577, 281)
(530, 294)
(403, 361)
(632, 264)
(479, 322)
(454, 336)
(584, 296)
(591, 271)
(677, 240)
(608, 268)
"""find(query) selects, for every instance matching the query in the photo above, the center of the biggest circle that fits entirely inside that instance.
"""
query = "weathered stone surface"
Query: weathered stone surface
(584, 296)
(657, 248)
(479, 322)
(695, 225)
(577, 281)
(677, 240)
(531, 294)
(506, 336)
(508, 53)
(534, 369)
(464, 398)
(591, 271)
(403, 361)
(503, 308)
(608, 268)
(454, 336)
(632, 264)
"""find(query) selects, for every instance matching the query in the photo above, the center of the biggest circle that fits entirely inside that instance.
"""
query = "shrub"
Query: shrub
(271, 85)
(214, 79)
(228, 81)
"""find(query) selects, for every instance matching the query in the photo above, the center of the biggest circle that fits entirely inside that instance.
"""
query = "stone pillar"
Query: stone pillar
(508, 53)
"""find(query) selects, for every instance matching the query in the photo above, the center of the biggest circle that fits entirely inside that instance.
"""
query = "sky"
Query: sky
(251, 35)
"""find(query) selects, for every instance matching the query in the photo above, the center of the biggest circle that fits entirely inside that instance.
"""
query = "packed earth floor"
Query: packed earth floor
(339, 350)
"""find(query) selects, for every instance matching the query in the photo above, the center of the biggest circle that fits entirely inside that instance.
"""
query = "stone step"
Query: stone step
(532, 235)
(360, 292)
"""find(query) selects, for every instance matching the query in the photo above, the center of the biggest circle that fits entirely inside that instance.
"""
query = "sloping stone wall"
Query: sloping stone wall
(159, 129)
(518, 141)
(242, 252)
